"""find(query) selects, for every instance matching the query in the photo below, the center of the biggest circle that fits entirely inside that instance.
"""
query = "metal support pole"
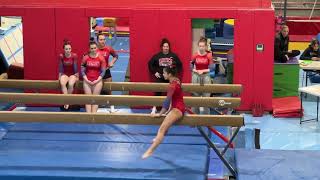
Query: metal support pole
(225, 162)
(230, 141)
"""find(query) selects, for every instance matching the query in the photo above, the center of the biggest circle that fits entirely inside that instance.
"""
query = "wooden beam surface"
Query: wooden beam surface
(103, 118)
(124, 100)
(125, 86)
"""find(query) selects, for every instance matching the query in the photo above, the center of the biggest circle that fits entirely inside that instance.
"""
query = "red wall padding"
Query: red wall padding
(263, 67)
(304, 28)
(141, 3)
(123, 22)
(73, 25)
(146, 35)
(39, 39)
(243, 56)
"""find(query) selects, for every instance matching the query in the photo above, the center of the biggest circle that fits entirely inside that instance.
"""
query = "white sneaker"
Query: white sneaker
(112, 109)
(154, 110)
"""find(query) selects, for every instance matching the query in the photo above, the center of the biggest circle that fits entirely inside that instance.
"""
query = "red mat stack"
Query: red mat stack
(287, 107)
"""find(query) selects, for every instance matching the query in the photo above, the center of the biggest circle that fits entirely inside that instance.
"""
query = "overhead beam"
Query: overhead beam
(102, 118)
(123, 100)
(125, 86)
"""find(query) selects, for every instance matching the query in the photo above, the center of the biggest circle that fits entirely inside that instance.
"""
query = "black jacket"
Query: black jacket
(309, 53)
(160, 61)
(280, 46)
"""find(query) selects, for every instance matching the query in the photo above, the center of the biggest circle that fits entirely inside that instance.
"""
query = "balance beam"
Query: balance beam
(125, 86)
(124, 100)
(102, 118)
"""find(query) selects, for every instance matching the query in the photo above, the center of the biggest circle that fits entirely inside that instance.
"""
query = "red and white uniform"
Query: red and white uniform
(69, 64)
(93, 66)
(175, 93)
(106, 52)
(202, 62)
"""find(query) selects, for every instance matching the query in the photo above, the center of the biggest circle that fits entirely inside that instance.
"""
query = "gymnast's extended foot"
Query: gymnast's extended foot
(147, 154)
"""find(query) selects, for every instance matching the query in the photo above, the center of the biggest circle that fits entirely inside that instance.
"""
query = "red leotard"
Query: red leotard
(105, 52)
(202, 62)
(68, 64)
(93, 66)
(175, 91)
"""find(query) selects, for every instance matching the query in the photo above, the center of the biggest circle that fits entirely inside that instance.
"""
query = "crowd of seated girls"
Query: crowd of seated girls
(95, 68)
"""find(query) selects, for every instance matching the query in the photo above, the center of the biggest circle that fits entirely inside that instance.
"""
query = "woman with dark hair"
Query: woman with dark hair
(173, 107)
(201, 65)
(106, 51)
(68, 69)
(93, 68)
(312, 52)
(159, 61)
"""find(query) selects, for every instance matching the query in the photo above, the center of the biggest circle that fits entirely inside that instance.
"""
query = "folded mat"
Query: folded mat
(287, 107)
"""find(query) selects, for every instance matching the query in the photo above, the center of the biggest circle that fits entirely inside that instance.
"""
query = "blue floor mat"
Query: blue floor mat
(36, 159)
(121, 43)
(97, 151)
(287, 133)
(277, 164)
(121, 138)
(102, 129)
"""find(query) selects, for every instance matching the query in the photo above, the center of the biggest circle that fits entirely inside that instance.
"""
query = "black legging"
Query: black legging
(160, 80)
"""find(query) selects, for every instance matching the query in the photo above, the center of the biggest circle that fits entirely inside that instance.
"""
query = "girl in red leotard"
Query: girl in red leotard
(106, 51)
(201, 65)
(93, 67)
(173, 107)
(68, 69)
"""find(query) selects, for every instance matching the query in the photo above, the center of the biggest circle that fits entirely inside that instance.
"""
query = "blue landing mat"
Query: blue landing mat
(35, 151)
(277, 164)
(77, 160)
(101, 129)
(120, 138)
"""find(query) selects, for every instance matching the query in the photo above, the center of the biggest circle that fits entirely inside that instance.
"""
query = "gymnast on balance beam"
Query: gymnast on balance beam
(173, 107)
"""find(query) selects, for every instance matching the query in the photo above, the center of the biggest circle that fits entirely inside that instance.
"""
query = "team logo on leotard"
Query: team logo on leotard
(68, 62)
(223, 102)
(165, 62)
(93, 63)
(202, 60)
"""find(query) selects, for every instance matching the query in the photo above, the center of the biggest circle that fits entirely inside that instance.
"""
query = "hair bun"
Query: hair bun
(66, 41)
